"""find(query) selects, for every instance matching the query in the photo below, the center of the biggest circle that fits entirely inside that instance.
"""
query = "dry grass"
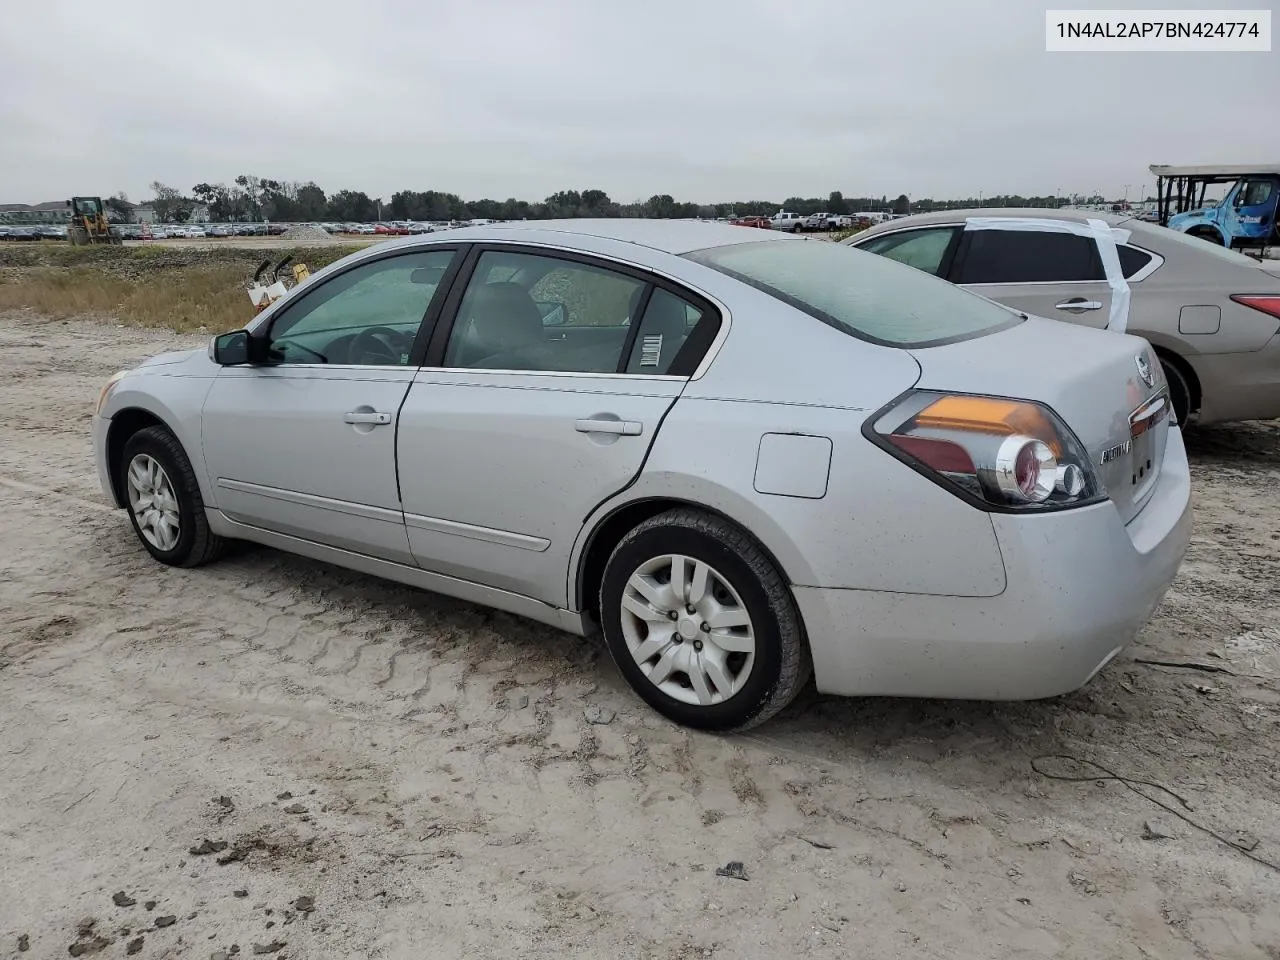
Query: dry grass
(211, 298)
(189, 291)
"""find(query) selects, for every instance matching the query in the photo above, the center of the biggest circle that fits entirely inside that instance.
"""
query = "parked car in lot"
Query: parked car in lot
(763, 223)
(1212, 315)
(816, 221)
(740, 456)
(786, 221)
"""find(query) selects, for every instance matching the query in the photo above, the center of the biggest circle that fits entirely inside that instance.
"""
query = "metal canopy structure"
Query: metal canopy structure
(1182, 188)
(1218, 172)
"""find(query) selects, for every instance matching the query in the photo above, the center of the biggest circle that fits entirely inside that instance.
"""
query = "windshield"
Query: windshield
(864, 295)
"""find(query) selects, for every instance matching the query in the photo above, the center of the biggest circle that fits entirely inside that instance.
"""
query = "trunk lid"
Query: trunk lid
(1092, 379)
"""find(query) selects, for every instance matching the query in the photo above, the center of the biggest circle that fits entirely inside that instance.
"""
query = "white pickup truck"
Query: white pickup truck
(785, 220)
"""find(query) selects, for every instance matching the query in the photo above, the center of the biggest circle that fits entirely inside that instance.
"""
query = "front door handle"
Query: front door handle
(1079, 305)
(362, 417)
(626, 428)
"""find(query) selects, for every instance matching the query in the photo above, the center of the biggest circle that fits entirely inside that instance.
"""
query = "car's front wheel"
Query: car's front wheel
(701, 623)
(164, 502)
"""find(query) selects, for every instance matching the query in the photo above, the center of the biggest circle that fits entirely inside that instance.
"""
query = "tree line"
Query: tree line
(251, 198)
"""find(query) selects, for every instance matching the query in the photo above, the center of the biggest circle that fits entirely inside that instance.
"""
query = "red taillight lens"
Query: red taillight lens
(991, 450)
(1267, 304)
(942, 455)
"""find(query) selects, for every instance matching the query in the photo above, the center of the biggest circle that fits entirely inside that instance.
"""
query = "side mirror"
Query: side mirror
(427, 275)
(554, 313)
(231, 349)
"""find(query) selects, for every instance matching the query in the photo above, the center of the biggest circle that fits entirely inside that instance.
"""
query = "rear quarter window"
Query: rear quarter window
(1132, 260)
(862, 294)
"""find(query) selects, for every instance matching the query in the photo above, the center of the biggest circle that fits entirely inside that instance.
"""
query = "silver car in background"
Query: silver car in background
(741, 457)
(1212, 315)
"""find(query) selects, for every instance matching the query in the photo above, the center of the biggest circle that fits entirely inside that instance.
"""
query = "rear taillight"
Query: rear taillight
(1267, 304)
(997, 453)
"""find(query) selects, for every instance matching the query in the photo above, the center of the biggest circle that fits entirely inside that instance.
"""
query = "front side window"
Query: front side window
(864, 295)
(1255, 193)
(531, 312)
(923, 249)
(368, 315)
(1029, 256)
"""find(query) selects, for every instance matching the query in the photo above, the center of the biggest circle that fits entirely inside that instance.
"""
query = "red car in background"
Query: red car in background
(761, 222)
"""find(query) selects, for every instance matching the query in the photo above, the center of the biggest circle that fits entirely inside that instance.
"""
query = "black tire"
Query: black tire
(196, 543)
(1179, 391)
(782, 665)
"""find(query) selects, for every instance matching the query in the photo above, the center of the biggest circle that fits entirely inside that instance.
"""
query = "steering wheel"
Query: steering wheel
(380, 343)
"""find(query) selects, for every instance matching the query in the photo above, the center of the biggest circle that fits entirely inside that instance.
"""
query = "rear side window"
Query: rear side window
(864, 295)
(1132, 260)
(668, 320)
(1029, 256)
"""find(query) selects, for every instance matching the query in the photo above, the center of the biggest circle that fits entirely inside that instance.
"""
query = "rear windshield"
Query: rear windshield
(865, 295)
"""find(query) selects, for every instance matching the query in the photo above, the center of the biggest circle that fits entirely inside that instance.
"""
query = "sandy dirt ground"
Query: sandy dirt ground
(274, 757)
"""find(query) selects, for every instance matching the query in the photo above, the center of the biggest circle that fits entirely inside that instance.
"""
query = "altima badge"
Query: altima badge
(1144, 370)
(1116, 452)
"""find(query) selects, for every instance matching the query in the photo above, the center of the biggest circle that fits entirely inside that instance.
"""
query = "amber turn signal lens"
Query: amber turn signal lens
(990, 415)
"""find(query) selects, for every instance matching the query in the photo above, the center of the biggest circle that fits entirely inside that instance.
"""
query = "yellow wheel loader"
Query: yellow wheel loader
(88, 223)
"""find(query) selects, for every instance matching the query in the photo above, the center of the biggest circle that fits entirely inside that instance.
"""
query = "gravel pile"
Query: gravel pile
(305, 231)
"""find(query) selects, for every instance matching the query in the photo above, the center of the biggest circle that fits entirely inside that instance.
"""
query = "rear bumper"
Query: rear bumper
(1080, 586)
(1239, 386)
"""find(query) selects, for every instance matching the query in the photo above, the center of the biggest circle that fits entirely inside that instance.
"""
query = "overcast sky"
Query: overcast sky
(708, 100)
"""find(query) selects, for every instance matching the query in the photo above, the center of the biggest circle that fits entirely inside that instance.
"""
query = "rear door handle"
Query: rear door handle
(627, 428)
(374, 418)
(1079, 304)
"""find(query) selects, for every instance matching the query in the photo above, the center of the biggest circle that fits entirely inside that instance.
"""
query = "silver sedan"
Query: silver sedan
(742, 458)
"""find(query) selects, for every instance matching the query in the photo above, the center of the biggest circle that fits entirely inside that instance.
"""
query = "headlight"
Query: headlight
(107, 388)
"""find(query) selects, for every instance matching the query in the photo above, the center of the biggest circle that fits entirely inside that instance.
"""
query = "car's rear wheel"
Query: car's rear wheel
(701, 623)
(164, 501)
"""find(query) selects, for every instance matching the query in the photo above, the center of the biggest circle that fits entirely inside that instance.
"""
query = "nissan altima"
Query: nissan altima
(744, 459)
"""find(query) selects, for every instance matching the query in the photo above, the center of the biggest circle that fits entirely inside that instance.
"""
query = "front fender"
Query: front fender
(176, 401)
(1184, 222)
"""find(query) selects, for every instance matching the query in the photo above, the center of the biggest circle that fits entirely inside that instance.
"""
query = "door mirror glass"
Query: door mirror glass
(230, 349)
(553, 313)
(431, 275)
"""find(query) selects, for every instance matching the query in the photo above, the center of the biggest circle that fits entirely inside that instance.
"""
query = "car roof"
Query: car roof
(1038, 213)
(670, 236)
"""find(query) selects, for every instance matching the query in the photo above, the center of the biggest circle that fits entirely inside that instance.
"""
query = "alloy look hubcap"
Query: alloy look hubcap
(153, 502)
(688, 630)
